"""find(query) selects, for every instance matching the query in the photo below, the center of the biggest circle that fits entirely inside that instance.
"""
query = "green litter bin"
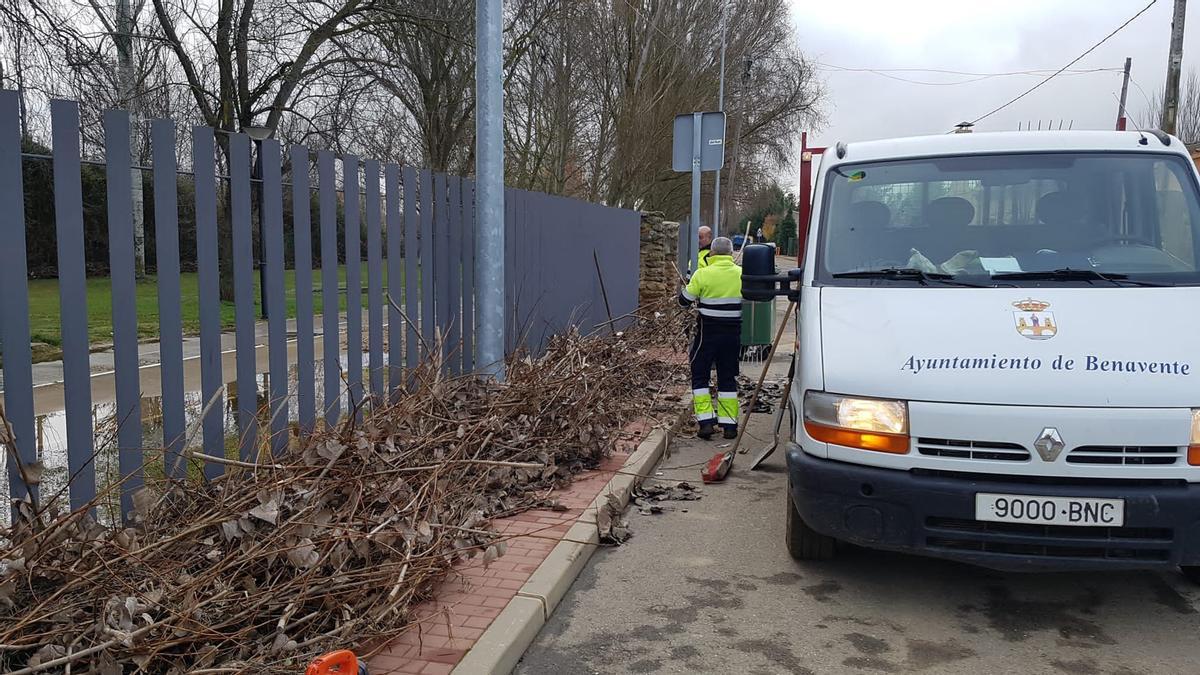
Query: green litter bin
(758, 323)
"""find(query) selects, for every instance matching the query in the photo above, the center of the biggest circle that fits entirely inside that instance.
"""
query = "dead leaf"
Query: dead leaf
(268, 512)
(303, 554)
(33, 472)
(490, 554)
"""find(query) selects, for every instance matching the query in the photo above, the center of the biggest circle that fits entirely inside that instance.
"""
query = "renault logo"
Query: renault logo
(1049, 444)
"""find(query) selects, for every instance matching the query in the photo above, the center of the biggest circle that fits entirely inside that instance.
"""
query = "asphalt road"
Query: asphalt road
(713, 590)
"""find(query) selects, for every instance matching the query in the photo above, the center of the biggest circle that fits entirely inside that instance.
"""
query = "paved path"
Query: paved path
(713, 590)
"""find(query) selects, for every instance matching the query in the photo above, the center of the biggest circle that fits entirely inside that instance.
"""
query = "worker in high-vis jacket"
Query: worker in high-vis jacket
(704, 234)
(716, 289)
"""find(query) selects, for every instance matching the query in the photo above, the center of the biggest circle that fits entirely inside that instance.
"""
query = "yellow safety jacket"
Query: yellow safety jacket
(717, 288)
(702, 257)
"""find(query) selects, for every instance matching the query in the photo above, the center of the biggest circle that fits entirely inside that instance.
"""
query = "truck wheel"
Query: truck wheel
(1192, 572)
(803, 542)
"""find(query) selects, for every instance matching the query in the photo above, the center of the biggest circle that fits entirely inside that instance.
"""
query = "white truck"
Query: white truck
(999, 339)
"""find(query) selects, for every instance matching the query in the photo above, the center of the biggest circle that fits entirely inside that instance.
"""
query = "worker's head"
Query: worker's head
(721, 246)
(705, 235)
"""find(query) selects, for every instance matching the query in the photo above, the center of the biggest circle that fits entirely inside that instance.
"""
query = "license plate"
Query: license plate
(1078, 511)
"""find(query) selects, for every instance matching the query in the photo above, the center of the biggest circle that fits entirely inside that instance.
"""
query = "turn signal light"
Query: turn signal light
(1194, 455)
(864, 440)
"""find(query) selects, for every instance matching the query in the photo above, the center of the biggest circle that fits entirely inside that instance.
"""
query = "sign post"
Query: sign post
(698, 145)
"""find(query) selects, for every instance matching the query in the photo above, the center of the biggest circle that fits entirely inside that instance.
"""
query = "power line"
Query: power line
(974, 77)
(1149, 105)
(1077, 59)
(1031, 71)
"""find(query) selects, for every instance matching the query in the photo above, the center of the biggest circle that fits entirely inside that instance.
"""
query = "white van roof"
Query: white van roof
(1003, 141)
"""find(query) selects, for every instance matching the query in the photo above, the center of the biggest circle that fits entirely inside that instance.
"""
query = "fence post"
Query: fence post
(72, 287)
(428, 317)
(302, 233)
(398, 268)
(121, 263)
(468, 272)
(331, 338)
(14, 301)
(453, 350)
(272, 232)
(243, 283)
(209, 279)
(374, 281)
(412, 276)
(170, 320)
(353, 234)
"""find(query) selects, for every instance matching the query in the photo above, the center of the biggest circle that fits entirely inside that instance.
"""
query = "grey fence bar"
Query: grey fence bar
(511, 301)
(453, 296)
(412, 275)
(427, 265)
(209, 279)
(420, 251)
(396, 272)
(14, 301)
(331, 336)
(374, 281)
(441, 258)
(170, 318)
(124, 303)
(354, 366)
(72, 287)
(468, 273)
(243, 294)
(272, 234)
(302, 233)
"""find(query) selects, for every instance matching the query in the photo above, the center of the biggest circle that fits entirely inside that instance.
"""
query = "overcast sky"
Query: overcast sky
(981, 36)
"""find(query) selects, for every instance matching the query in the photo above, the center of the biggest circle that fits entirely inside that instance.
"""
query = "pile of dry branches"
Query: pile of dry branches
(330, 545)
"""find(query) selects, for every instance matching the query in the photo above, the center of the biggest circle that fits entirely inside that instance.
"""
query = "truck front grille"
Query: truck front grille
(1158, 455)
(1050, 541)
(959, 449)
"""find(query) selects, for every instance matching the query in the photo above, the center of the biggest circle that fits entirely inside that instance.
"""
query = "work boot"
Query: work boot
(707, 429)
(730, 432)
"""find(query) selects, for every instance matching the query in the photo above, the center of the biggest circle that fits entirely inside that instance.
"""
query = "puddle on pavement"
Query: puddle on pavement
(50, 432)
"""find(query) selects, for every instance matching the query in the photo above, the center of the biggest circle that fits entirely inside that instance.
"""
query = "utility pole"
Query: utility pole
(716, 227)
(123, 40)
(489, 187)
(1174, 64)
(1124, 91)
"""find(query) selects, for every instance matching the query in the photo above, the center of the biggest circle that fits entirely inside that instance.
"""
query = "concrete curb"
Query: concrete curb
(502, 645)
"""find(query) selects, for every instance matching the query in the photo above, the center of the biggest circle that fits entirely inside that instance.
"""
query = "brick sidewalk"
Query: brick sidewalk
(445, 627)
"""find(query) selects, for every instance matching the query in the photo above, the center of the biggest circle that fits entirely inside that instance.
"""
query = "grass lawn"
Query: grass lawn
(44, 305)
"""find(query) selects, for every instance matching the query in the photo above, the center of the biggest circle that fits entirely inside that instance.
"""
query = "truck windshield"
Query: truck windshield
(1089, 219)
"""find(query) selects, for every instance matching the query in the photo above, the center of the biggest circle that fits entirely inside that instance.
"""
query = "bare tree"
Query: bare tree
(1187, 122)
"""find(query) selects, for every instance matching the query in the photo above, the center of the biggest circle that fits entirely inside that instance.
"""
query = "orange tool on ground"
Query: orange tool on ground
(342, 662)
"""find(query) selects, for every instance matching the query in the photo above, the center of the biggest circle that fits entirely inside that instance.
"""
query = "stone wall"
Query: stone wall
(660, 243)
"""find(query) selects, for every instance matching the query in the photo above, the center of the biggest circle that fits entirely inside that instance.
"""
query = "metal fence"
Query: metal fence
(568, 264)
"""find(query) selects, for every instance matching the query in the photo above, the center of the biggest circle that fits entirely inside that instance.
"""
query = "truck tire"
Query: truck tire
(1192, 572)
(803, 542)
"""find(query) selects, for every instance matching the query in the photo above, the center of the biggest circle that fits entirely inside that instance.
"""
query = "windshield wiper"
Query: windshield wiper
(1071, 274)
(906, 274)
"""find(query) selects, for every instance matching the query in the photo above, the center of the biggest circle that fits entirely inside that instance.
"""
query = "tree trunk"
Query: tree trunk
(127, 95)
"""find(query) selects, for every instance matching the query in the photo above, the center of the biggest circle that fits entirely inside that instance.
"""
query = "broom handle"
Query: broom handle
(762, 376)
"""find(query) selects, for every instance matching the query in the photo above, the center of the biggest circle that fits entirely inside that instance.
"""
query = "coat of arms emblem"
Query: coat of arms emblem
(1032, 319)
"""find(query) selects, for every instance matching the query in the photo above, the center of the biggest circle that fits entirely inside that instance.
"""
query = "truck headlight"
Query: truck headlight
(1194, 445)
(864, 423)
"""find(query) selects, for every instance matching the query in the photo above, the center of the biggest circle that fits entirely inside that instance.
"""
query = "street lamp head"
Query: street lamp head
(257, 133)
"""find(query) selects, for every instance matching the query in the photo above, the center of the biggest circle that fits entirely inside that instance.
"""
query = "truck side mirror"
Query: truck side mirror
(760, 281)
